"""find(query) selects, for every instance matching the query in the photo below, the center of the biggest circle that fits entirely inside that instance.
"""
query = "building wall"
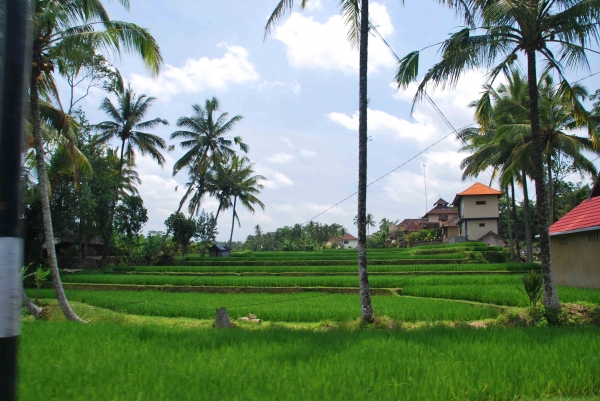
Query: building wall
(351, 244)
(474, 231)
(575, 259)
(433, 218)
(451, 232)
(470, 209)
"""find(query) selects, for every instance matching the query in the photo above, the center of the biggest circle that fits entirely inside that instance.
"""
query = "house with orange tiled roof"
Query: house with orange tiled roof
(575, 245)
(478, 213)
(348, 241)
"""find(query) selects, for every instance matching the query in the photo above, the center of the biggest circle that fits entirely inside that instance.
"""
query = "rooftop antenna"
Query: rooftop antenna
(425, 182)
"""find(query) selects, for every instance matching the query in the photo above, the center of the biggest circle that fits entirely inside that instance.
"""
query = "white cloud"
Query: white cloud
(198, 75)
(315, 45)
(287, 141)
(314, 5)
(308, 153)
(383, 124)
(296, 87)
(280, 158)
(264, 84)
(275, 179)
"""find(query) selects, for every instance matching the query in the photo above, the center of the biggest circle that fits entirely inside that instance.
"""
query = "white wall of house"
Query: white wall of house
(350, 243)
(479, 206)
(475, 229)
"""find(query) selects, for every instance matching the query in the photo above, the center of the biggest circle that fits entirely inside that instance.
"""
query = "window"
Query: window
(595, 237)
(481, 224)
(345, 242)
(480, 202)
(562, 240)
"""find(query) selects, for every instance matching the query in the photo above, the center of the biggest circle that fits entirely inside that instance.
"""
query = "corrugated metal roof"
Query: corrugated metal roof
(585, 216)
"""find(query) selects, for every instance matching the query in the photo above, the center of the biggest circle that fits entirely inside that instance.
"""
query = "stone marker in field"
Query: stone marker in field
(222, 319)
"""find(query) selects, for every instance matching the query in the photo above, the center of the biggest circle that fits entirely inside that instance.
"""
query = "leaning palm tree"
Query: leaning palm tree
(244, 186)
(356, 16)
(497, 32)
(59, 28)
(203, 138)
(127, 124)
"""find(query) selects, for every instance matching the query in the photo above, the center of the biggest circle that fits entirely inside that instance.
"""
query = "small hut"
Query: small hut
(218, 251)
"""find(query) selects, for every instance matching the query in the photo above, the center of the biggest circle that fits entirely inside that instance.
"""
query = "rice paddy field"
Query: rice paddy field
(307, 346)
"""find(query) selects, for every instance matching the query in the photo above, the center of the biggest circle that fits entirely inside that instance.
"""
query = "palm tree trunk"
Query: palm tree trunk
(46, 214)
(528, 241)
(162, 243)
(550, 189)
(232, 222)
(514, 213)
(32, 308)
(367, 314)
(113, 208)
(511, 243)
(550, 299)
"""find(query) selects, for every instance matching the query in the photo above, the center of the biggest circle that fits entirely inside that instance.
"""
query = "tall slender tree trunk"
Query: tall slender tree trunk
(232, 222)
(515, 219)
(367, 314)
(113, 208)
(550, 299)
(550, 189)
(46, 214)
(162, 243)
(528, 239)
(508, 223)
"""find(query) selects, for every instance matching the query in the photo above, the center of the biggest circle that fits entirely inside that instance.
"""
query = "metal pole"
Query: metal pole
(15, 56)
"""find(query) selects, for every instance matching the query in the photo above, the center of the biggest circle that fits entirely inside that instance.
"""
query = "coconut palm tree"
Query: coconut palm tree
(356, 16)
(244, 185)
(560, 32)
(127, 124)
(59, 28)
(369, 222)
(203, 136)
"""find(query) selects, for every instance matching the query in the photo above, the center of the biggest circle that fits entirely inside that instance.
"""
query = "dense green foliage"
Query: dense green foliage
(166, 363)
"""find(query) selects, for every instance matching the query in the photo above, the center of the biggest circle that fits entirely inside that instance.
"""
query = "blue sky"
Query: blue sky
(298, 93)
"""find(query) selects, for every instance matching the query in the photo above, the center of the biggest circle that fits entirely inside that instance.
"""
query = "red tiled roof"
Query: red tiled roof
(412, 225)
(439, 209)
(451, 222)
(479, 189)
(332, 240)
(585, 215)
(348, 237)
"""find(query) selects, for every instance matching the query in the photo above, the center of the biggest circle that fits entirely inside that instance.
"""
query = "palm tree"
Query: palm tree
(369, 222)
(59, 28)
(127, 125)
(244, 185)
(497, 32)
(203, 136)
(356, 16)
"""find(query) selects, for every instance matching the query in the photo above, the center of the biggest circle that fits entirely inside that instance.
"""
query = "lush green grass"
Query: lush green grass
(308, 307)
(334, 269)
(322, 258)
(499, 294)
(69, 361)
(297, 281)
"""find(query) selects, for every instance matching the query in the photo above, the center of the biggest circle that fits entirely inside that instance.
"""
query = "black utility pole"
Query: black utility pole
(13, 85)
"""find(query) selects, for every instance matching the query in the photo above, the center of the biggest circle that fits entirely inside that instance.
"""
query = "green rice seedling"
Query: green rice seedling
(304, 307)
(534, 287)
(497, 294)
(451, 267)
(379, 281)
(68, 361)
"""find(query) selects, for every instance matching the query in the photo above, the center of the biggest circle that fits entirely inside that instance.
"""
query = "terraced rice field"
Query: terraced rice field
(316, 286)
